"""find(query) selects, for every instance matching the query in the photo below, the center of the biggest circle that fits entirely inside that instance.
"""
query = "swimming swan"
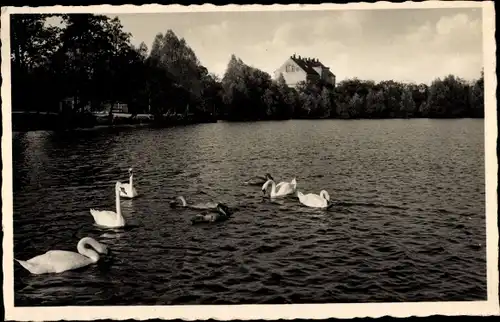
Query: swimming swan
(129, 190)
(258, 180)
(281, 189)
(223, 213)
(58, 261)
(206, 205)
(293, 184)
(313, 200)
(107, 218)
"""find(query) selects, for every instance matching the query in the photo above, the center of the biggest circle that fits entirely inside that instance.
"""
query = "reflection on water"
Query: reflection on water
(408, 222)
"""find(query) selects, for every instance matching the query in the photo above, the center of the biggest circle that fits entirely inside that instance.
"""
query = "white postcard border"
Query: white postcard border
(287, 311)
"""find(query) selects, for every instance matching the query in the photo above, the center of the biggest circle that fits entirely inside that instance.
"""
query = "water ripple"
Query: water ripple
(408, 221)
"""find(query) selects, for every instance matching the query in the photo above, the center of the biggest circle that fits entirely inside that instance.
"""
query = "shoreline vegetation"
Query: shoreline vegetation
(74, 74)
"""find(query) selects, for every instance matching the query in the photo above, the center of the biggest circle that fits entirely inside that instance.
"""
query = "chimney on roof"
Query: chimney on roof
(299, 57)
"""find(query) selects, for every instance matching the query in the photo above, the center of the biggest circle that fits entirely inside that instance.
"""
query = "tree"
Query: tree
(90, 60)
(33, 44)
(355, 106)
(476, 108)
(326, 102)
(407, 105)
(375, 105)
(288, 98)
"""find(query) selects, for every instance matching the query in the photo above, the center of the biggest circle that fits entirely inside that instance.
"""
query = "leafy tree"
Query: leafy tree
(407, 104)
(476, 107)
(375, 103)
(32, 46)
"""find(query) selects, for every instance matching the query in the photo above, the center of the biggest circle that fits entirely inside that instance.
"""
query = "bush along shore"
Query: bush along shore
(88, 60)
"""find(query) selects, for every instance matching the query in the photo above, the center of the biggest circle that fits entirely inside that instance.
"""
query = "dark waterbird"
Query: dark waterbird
(222, 213)
(259, 180)
(181, 201)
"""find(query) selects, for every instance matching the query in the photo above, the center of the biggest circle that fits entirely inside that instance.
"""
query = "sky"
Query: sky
(410, 45)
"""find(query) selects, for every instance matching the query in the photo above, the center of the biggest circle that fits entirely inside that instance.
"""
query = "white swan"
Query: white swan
(314, 200)
(129, 190)
(58, 261)
(280, 189)
(107, 218)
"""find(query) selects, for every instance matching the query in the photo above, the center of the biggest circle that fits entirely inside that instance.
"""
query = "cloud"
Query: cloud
(343, 26)
(452, 45)
(450, 34)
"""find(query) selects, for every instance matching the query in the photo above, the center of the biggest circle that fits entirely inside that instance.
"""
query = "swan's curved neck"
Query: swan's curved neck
(131, 179)
(90, 253)
(184, 203)
(273, 186)
(118, 205)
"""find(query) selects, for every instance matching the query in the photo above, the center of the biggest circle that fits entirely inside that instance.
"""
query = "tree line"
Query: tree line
(91, 59)
(251, 94)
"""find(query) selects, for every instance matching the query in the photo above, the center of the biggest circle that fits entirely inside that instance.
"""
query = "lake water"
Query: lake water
(408, 222)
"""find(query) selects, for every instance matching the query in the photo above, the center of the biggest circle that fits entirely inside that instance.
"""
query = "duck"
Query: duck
(280, 189)
(258, 180)
(58, 261)
(315, 201)
(129, 190)
(183, 203)
(222, 213)
(107, 218)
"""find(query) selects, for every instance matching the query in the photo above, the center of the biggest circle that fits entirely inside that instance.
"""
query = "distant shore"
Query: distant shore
(25, 121)
(46, 121)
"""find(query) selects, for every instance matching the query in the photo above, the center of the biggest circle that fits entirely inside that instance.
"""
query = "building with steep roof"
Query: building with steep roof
(296, 69)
